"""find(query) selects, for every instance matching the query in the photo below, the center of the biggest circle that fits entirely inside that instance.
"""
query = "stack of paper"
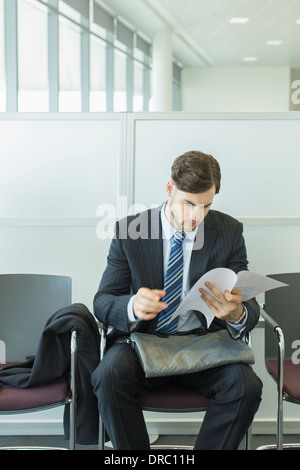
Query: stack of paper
(250, 284)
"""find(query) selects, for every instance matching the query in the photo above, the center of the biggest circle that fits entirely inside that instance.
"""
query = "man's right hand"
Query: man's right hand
(147, 303)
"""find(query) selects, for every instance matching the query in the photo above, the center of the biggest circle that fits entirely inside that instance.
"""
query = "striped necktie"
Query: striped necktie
(172, 286)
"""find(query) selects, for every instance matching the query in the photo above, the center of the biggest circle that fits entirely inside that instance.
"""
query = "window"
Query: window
(98, 75)
(68, 8)
(2, 72)
(70, 56)
(32, 57)
(138, 95)
(120, 96)
(69, 66)
(141, 75)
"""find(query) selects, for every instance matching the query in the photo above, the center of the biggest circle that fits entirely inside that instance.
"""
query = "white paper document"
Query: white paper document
(250, 284)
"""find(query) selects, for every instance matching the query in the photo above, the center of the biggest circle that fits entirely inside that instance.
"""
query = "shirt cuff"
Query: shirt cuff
(130, 315)
(238, 328)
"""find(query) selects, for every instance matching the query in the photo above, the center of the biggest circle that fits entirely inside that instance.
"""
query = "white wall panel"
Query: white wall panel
(55, 171)
(259, 158)
(57, 168)
(260, 163)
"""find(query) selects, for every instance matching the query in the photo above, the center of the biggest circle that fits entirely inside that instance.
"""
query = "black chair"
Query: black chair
(282, 333)
(26, 303)
(170, 398)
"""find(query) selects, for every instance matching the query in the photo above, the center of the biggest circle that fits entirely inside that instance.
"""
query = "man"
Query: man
(132, 296)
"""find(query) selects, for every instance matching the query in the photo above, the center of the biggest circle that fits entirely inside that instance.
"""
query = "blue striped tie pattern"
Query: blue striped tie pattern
(173, 286)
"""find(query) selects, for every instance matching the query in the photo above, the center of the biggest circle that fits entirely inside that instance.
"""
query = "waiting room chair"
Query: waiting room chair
(282, 339)
(170, 398)
(26, 303)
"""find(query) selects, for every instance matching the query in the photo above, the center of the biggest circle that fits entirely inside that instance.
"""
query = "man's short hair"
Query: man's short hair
(196, 172)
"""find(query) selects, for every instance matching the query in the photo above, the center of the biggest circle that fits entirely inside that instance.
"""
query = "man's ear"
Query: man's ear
(170, 188)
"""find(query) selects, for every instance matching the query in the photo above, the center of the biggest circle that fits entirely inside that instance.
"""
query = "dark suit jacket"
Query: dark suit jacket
(135, 262)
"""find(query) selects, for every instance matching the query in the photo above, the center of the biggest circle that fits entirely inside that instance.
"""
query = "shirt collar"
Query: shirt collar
(168, 229)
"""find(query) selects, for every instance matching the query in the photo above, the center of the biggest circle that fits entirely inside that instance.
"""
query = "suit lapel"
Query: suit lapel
(153, 250)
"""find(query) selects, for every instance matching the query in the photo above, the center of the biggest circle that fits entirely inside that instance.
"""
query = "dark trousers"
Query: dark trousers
(234, 393)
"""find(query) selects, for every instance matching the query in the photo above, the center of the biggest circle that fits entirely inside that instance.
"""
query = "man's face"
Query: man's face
(187, 210)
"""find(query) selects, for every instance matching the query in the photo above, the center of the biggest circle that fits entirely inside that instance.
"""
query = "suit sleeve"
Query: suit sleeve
(114, 292)
(238, 262)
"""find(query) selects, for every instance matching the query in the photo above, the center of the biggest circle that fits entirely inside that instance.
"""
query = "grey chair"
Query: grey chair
(26, 303)
(167, 399)
(282, 334)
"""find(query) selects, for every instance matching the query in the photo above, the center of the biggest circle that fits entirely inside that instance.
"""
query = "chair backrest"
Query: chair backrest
(26, 303)
(283, 305)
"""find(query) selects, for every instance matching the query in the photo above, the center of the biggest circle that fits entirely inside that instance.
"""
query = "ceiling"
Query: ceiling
(204, 36)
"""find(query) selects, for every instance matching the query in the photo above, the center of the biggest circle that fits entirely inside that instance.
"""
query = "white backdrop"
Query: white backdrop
(259, 156)
(259, 159)
(55, 171)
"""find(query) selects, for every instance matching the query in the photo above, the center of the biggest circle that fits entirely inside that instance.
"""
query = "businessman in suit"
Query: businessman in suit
(132, 297)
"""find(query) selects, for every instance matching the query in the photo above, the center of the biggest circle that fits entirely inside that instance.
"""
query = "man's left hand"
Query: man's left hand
(227, 306)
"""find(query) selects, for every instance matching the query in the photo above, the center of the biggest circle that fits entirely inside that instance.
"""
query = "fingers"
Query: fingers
(220, 297)
(226, 306)
(151, 294)
(236, 291)
(147, 303)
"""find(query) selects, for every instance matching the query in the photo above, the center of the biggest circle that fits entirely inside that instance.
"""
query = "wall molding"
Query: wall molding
(269, 221)
(50, 222)
(92, 221)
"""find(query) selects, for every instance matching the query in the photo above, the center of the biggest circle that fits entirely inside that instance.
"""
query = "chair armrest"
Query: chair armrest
(73, 346)
(73, 389)
(268, 319)
(280, 336)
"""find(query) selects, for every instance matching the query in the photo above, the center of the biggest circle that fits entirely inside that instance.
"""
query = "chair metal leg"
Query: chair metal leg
(101, 443)
(279, 431)
(281, 351)
(248, 439)
(101, 439)
(248, 435)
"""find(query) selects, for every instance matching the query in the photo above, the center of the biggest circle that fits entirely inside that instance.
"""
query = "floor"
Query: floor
(182, 440)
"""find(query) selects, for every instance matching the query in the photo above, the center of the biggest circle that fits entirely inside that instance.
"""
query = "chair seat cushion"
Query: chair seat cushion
(18, 399)
(174, 397)
(291, 376)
